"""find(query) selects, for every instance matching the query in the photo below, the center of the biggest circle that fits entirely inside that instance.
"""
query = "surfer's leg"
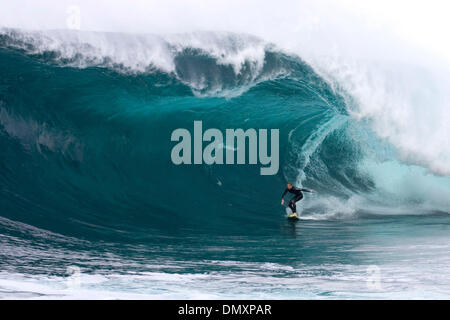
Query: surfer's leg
(293, 201)
(291, 205)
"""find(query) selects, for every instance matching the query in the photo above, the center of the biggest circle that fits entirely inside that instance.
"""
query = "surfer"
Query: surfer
(298, 195)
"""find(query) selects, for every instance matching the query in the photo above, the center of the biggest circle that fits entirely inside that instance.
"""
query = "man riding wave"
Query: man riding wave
(298, 195)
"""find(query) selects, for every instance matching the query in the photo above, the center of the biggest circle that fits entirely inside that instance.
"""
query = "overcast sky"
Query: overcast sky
(423, 24)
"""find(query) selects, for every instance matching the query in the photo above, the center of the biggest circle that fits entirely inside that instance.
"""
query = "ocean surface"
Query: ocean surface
(91, 205)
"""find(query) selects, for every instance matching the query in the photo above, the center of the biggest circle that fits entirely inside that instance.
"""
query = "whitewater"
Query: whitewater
(91, 205)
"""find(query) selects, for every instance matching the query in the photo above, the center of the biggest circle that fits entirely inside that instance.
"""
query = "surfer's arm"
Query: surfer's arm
(307, 190)
(282, 197)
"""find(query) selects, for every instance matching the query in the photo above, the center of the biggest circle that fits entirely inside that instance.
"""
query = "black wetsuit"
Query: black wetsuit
(298, 195)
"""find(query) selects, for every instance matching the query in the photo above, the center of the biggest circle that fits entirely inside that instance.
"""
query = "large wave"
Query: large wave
(86, 118)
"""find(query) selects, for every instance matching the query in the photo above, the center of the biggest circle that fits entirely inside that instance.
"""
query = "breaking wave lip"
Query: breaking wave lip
(211, 63)
(406, 105)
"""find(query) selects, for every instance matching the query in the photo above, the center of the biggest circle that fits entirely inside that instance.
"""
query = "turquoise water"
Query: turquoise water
(92, 206)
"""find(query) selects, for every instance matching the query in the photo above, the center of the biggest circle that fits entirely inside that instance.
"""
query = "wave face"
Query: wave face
(86, 119)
